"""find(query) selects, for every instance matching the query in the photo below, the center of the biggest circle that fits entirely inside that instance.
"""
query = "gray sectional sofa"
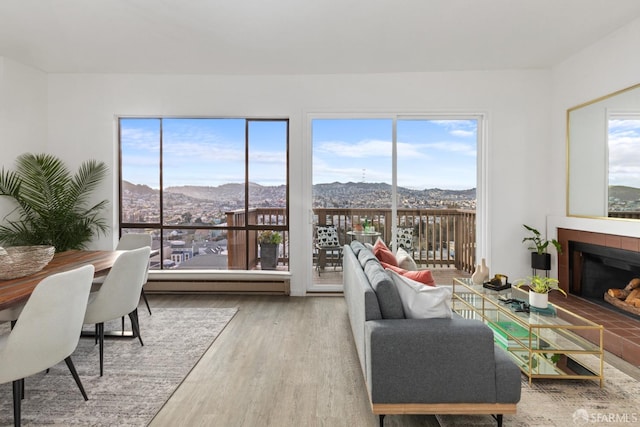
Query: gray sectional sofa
(422, 366)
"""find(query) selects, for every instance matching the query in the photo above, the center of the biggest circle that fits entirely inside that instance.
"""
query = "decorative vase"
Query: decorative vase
(481, 274)
(538, 300)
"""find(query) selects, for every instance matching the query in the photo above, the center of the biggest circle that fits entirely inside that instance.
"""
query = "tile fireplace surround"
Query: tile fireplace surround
(622, 332)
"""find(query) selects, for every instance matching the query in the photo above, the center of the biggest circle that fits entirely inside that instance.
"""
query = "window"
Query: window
(205, 188)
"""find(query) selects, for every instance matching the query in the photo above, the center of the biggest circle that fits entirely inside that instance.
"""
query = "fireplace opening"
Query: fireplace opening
(595, 269)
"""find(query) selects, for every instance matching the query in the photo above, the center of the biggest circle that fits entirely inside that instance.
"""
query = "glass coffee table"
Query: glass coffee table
(550, 343)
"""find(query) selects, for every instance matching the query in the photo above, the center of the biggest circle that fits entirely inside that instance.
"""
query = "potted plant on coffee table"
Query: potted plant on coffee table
(540, 258)
(539, 288)
(269, 244)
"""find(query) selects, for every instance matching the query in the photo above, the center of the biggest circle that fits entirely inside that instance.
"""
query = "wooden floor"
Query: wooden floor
(282, 361)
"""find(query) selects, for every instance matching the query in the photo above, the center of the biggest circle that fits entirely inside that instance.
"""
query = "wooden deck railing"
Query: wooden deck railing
(442, 237)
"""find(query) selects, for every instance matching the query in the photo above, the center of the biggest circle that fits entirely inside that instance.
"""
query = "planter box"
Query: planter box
(540, 261)
(268, 256)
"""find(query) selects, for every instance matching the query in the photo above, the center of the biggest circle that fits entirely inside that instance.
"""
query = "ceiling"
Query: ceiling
(302, 36)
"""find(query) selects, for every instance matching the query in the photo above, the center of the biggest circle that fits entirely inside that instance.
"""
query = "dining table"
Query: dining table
(17, 291)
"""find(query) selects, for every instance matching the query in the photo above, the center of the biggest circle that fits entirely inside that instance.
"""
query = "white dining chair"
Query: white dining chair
(119, 294)
(46, 332)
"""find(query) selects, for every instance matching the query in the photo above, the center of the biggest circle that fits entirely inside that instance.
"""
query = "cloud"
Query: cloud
(359, 150)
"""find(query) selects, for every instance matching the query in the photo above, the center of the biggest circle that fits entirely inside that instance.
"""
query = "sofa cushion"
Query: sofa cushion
(422, 302)
(405, 261)
(366, 256)
(386, 291)
(383, 253)
(423, 276)
(356, 247)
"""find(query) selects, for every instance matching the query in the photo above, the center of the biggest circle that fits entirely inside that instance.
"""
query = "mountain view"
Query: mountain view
(209, 204)
(623, 198)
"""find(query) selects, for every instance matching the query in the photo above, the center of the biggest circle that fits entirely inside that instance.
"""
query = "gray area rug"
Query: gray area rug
(562, 403)
(137, 380)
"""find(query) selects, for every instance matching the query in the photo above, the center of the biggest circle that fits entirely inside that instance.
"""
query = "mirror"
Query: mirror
(603, 156)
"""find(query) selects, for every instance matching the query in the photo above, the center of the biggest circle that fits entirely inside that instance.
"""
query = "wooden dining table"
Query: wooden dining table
(17, 291)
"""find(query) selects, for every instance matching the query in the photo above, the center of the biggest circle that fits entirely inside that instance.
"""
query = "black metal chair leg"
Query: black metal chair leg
(74, 373)
(381, 418)
(498, 418)
(144, 297)
(17, 402)
(133, 316)
(100, 329)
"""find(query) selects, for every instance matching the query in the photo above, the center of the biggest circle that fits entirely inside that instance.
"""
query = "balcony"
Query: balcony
(442, 237)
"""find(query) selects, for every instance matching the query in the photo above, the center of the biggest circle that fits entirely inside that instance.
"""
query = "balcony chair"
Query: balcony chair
(328, 247)
(119, 295)
(46, 332)
(404, 239)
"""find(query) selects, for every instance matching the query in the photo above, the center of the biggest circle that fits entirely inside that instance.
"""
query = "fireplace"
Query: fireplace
(590, 264)
(594, 269)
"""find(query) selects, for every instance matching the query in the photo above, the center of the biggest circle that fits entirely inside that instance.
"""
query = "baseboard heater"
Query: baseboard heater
(224, 281)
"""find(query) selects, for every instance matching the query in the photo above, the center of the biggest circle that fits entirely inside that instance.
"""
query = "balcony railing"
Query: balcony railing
(442, 237)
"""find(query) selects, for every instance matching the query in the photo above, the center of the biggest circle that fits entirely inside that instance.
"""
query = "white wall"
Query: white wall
(609, 65)
(23, 114)
(82, 109)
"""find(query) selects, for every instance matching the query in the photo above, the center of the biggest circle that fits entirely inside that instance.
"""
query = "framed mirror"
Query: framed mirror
(603, 156)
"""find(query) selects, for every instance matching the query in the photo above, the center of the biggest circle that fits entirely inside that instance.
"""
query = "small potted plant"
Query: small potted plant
(269, 241)
(539, 288)
(540, 258)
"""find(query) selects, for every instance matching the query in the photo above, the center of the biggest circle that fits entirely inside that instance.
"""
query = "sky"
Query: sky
(624, 152)
(211, 152)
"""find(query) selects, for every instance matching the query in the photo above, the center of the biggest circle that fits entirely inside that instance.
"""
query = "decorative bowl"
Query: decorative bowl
(20, 261)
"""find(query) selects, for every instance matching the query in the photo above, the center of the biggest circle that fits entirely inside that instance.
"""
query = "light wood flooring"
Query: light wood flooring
(282, 361)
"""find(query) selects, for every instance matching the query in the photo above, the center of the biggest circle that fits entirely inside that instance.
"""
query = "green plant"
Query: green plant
(539, 244)
(269, 236)
(53, 206)
(541, 285)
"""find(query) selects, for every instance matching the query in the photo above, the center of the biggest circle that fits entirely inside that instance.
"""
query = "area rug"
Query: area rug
(563, 403)
(137, 380)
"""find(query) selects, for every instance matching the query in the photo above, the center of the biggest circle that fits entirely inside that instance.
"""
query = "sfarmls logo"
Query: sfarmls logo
(582, 417)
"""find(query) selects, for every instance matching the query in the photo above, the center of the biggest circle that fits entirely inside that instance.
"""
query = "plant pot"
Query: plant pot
(538, 300)
(540, 261)
(268, 256)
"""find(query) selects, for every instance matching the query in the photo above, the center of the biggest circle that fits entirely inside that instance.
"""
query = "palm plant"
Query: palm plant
(53, 206)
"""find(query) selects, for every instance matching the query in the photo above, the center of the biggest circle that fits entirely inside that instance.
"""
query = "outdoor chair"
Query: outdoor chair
(328, 247)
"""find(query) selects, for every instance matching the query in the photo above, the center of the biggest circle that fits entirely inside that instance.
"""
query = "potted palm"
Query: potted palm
(52, 206)
(269, 244)
(539, 288)
(540, 258)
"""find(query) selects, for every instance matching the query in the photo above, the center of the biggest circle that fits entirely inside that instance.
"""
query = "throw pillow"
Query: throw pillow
(327, 236)
(423, 276)
(405, 261)
(422, 302)
(386, 291)
(383, 253)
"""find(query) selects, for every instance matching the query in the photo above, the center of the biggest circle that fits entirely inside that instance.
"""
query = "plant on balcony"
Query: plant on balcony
(269, 241)
(270, 237)
(540, 258)
(52, 205)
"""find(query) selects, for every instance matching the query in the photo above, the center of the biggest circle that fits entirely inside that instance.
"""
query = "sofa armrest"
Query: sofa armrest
(430, 361)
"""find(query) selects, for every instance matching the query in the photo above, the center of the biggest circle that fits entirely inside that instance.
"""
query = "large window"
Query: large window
(205, 188)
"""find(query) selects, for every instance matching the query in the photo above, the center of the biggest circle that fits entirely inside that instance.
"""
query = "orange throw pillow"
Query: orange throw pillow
(423, 276)
(383, 253)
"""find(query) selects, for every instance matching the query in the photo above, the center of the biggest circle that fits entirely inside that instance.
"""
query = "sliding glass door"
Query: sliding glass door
(381, 177)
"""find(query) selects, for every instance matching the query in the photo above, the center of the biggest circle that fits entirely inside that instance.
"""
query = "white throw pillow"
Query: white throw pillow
(420, 301)
(405, 261)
